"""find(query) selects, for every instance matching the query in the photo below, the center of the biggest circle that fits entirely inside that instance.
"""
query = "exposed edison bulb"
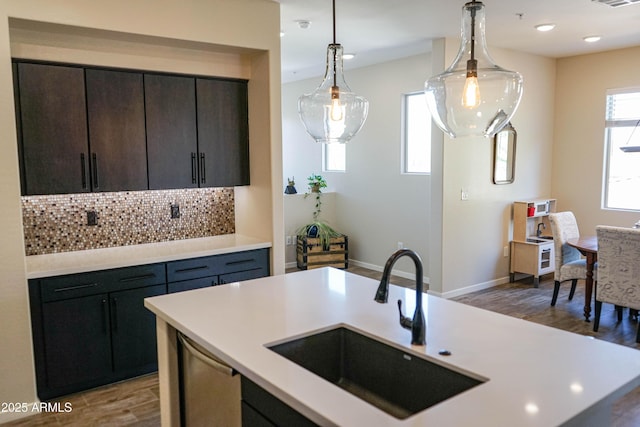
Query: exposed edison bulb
(336, 110)
(471, 93)
(471, 90)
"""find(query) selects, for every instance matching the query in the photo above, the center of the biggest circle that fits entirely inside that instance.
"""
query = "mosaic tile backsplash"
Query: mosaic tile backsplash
(58, 223)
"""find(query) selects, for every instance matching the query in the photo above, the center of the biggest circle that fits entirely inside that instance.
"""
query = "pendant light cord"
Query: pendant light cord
(473, 31)
(335, 56)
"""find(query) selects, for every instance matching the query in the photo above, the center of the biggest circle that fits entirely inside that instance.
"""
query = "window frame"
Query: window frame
(404, 135)
(609, 125)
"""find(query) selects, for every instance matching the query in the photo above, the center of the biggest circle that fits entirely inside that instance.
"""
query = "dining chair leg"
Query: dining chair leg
(638, 334)
(556, 289)
(596, 319)
(574, 282)
(619, 311)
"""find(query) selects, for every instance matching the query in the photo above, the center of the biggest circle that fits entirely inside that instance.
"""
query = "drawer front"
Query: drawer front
(191, 268)
(95, 282)
(73, 286)
(187, 285)
(242, 261)
(135, 277)
(242, 275)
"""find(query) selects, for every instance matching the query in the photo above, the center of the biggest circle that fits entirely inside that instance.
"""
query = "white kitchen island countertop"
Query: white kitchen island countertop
(56, 264)
(536, 375)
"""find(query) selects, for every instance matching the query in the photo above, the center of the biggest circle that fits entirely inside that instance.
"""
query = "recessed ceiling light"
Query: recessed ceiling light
(545, 27)
(303, 23)
(591, 39)
(348, 56)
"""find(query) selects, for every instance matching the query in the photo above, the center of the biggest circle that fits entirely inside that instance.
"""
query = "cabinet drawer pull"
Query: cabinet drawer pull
(94, 158)
(203, 171)
(83, 171)
(104, 316)
(240, 261)
(73, 288)
(193, 168)
(133, 278)
(200, 267)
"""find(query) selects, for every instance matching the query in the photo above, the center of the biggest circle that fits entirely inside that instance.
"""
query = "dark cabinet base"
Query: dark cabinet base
(260, 408)
(92, 329)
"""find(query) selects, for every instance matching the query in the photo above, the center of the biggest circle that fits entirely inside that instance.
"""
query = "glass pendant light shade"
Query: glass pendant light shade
(474, 96)
(333, 113)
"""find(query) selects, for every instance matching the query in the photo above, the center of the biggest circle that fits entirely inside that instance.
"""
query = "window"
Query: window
(622, 166)
(334, 157)
(416, 138)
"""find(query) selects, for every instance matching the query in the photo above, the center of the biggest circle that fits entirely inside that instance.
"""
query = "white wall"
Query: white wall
(578, 152)
(476, 231)
(237, 38)
(376, 206)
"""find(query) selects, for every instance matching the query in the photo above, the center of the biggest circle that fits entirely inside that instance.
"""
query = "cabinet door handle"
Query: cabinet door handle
(184, 270)
(104, 315)
(203, 170)
(73, 288)
(114, 313)
(193, 168)
(83, 171)
(141, 277)
(94, 159)
(240, 261)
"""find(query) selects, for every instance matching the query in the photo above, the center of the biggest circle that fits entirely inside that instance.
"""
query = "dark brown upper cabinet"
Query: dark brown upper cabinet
(115, 108)
(54, 152)
(172, 143)
(86, 129)
(223, 139)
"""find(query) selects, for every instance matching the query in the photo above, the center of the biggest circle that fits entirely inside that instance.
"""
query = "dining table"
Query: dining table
(587, 246)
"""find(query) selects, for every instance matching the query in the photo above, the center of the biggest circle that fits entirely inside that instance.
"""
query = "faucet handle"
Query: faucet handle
(405, 321)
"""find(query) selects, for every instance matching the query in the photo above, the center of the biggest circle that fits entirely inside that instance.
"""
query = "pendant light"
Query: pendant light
(333, 113)
(474, 96)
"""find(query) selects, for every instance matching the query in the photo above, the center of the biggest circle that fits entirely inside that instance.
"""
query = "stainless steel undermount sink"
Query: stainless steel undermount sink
(386, 377)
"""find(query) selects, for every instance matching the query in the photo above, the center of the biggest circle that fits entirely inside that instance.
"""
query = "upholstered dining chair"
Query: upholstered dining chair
(569, 264)
(618, 270)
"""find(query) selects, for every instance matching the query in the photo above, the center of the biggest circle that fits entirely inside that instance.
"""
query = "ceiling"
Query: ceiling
(383, 30)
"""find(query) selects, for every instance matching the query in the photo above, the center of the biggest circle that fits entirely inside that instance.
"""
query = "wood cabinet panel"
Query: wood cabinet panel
(115, 107)
(76, 341)
(172, 143)
(223, 132)
(54, 129)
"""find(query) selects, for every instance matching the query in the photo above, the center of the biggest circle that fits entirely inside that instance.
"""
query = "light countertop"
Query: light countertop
(537, 376)
(125, 256)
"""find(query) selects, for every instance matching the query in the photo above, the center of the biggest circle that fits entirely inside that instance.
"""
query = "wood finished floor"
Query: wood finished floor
(136, 402)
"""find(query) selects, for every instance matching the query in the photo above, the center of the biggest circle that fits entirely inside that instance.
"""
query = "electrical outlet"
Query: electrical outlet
(289, 240)
(505, 251)
(464, 194)
(400, 245)
(92, 218)
(175, 210)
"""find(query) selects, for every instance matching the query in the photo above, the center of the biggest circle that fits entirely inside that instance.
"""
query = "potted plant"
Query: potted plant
(318, 228)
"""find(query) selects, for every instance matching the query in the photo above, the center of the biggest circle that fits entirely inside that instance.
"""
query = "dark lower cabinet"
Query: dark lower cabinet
(260, 408)
(217, 269)
(133, 331)
(91, 329)
(76, 341)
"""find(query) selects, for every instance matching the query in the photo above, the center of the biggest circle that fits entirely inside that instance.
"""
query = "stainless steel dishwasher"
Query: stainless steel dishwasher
(210, 389)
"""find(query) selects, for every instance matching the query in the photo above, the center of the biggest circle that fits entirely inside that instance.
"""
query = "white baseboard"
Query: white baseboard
(473, 288)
